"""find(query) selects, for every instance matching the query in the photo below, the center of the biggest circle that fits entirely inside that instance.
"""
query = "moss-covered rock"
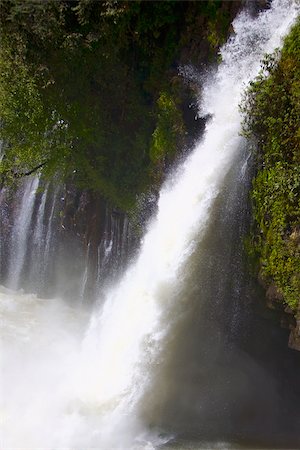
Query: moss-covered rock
(272, 119)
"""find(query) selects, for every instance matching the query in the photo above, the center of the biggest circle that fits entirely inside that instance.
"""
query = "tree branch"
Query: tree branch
(20, 174)
(31, 171)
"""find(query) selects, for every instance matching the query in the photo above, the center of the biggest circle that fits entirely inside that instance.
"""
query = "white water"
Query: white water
(20, 233)
(63, 387)
(37, 241)
(49, 234)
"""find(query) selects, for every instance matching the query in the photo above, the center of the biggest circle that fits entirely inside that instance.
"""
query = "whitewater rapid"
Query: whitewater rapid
(75, 379)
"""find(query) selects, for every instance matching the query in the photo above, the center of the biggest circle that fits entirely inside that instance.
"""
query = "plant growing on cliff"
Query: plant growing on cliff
(272, 117)
(32, 137)
(80, 82)
(169, 128)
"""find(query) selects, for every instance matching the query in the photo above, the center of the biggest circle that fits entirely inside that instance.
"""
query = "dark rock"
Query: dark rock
(294, 339)
(274, 297)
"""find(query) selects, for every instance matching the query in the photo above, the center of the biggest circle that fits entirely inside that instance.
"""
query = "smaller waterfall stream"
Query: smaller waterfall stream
(49, 232)
(20, 233)
(77, 379)
(44, 250)
(36, 269)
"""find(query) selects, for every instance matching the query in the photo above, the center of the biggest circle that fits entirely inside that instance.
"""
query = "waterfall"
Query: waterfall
(20, 233)
(36, 269)
(75, 386)
(49, 232)
(40, 254)
(113, 248)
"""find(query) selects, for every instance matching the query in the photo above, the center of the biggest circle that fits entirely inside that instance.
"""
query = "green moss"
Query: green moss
(217, 30)
(272, 118)
(169, 128)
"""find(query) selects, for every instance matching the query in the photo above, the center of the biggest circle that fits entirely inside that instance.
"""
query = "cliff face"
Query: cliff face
(58, 241)
(272, 121)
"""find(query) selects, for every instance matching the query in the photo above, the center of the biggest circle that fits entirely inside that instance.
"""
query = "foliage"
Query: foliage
(272, 118)
(168, 129)
(31, 136)
(85, 88)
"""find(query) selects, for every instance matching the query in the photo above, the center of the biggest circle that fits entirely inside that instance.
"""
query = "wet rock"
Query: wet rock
(275, 301)
(294, 339)
(287, 321)
(274, 297)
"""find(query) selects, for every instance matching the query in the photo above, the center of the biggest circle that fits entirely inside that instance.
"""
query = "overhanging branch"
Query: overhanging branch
(31, 171)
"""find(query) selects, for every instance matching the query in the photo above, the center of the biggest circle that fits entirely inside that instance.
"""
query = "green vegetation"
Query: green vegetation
(31, 136)
(272, 108)
(168, 129)
(87, 88)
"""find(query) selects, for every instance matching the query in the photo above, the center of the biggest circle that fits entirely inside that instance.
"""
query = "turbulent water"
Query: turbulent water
(107, 378)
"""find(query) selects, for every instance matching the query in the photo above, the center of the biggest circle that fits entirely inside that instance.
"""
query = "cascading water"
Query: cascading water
(19, 234)
(47, 248)
(68, 386)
